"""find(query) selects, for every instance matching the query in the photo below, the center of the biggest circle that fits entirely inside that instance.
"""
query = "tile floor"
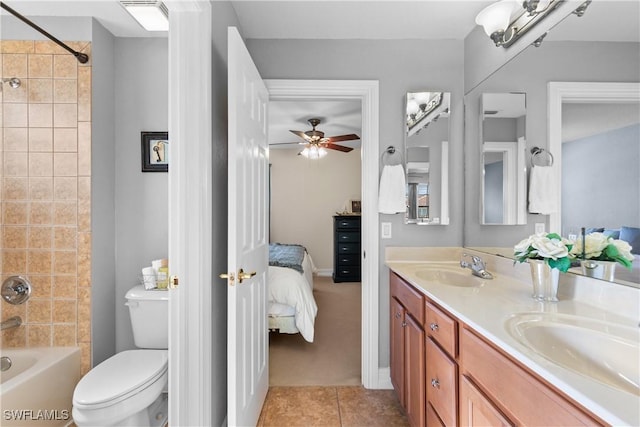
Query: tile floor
(331, 406)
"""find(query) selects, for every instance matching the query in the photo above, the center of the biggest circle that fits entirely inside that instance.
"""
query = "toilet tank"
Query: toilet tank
(149, 311)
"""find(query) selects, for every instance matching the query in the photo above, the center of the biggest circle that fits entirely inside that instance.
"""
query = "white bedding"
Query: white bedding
(291, 292)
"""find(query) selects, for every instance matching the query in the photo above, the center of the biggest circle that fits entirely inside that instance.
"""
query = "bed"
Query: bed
(291, 307)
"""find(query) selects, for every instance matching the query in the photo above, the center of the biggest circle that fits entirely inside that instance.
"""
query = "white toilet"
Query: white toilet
(129, 389)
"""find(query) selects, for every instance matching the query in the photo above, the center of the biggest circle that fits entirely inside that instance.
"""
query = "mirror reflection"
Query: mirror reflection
(426, 157)
(568, 55)
(503, 168)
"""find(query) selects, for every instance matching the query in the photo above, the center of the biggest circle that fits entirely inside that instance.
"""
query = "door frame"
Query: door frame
(367, 92)
(583, 92)
(190, 208)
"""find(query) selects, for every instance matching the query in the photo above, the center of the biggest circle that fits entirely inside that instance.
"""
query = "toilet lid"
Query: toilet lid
(120, 375)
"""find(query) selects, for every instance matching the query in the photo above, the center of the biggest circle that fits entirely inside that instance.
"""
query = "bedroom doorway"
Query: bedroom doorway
(365, 93)
(306, 194)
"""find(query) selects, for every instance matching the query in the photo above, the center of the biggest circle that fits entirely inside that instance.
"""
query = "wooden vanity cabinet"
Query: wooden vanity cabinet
(495, 390)
(446, 374)
(407, 348)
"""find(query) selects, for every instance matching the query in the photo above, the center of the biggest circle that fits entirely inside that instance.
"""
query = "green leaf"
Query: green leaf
(561, 264)
(554, 236)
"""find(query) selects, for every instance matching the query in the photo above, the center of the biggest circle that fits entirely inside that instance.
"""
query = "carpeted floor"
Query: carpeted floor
(333, 359)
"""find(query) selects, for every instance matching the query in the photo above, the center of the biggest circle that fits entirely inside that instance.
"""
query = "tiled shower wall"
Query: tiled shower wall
(46, 193)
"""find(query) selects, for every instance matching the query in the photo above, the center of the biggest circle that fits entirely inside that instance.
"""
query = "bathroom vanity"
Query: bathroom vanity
(468, 351)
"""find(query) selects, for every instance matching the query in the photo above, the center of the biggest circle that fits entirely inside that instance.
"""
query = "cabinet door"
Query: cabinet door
(397, 350)
(476, 409)
(414, 371)
(442, 383)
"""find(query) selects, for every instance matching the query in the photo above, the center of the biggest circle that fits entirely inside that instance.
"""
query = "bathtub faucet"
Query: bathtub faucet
(12, 322)
(5, 363)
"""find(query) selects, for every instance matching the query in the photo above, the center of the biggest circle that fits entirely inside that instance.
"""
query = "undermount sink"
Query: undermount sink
(447, 276)
(604, 351)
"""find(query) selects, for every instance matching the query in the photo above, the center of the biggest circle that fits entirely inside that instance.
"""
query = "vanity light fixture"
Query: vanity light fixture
(507, 20)
(153, 15)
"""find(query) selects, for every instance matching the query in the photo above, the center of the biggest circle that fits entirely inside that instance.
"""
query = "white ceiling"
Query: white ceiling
(580, 120)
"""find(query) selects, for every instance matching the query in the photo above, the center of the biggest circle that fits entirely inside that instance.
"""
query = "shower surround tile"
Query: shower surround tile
(40, 66)
(45, 227)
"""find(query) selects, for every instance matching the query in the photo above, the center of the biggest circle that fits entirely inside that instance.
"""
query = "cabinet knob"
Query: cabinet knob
(398, 315)
(433, 326)
(435, 383)
(404, 324)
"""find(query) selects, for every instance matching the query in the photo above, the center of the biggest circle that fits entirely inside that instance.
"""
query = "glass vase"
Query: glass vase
(605, 270)
(545, 280)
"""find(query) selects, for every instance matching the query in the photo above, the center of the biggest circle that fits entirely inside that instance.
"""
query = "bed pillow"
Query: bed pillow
(632, 236)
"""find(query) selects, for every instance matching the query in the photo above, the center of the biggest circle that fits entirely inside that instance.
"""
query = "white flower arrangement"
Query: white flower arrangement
(600, 247)
(551, 247)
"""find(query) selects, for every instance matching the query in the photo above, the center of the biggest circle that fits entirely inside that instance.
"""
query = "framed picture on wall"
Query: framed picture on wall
(155, 151)
(355, 206)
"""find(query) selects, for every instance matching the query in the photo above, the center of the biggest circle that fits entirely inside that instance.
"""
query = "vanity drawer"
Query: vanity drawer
(442, 383)
(442, 328)
(512, 388)
(410, 298)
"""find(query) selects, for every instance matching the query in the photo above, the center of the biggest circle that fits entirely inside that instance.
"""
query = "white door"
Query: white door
(247, 344)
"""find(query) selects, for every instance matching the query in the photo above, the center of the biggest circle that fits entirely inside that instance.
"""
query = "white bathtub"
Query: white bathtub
(38, 388)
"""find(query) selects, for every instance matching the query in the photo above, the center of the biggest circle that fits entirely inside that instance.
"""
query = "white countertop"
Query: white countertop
(488, 307)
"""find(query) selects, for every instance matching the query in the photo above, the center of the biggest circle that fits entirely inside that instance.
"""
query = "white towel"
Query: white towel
(392, 196)
(543, 190)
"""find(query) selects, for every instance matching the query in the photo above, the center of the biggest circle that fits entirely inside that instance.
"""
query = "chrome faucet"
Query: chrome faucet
(477, 266)
(12, 322)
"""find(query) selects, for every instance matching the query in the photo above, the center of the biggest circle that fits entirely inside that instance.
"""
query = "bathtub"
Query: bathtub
(38, 388)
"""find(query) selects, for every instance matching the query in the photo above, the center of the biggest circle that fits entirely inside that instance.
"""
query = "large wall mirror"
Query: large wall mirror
(568, 54)
(503, 197)
(427, 157)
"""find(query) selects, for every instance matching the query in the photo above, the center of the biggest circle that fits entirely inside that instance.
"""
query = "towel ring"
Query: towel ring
(391, 157)
(537, 152)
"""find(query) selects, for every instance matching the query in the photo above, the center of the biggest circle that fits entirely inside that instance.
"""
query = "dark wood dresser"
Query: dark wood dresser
(346, 248)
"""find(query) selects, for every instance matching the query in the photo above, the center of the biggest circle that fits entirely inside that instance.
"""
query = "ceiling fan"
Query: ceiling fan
(316, 143)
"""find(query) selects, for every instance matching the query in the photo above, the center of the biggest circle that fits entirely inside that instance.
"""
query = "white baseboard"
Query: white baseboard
(384, 379)
(324, 272)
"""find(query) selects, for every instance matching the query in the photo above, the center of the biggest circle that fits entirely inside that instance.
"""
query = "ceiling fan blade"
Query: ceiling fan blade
(301, 135)
(350, 137)
(337, 147)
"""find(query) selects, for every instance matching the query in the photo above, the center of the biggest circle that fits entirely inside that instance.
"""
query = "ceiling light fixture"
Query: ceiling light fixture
(313, 152)
(507, 20)
(153, 15)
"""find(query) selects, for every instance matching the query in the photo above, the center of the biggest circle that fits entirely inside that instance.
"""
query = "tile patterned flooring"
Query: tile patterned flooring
(340, 406)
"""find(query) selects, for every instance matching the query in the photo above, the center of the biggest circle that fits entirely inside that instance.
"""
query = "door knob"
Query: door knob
(242, 275)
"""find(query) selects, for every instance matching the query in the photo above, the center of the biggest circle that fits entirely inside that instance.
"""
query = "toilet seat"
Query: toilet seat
(120, 377)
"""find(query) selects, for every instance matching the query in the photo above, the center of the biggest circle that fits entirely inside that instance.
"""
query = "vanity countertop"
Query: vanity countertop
(487, 309)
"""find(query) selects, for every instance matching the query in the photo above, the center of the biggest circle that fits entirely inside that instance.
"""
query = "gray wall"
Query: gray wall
(141, 95)
(611, 199)
(103, 268)
(400, 67)
(530, 72)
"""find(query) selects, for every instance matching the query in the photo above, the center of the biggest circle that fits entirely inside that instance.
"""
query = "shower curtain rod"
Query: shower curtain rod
(81, 57)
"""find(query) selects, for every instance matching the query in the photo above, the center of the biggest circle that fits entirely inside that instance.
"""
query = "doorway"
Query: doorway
(366, 92)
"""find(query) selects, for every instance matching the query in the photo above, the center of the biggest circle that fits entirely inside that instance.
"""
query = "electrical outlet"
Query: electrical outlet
(539, 227)
(386, 230)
